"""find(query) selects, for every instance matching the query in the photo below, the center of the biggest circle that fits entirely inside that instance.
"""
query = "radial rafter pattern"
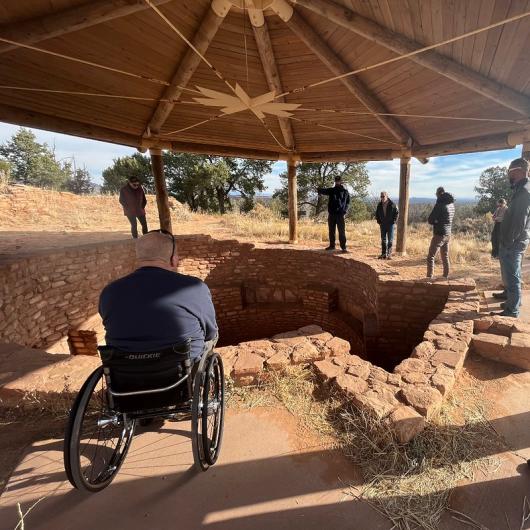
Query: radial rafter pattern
(267, 78)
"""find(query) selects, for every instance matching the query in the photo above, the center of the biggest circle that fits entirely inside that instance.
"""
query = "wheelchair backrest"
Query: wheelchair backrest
(144, 371)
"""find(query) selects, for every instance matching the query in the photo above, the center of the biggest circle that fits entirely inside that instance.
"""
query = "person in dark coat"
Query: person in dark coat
(441, 219)
(514, 237)
(132, 198)
(386, 215)
(339, 201)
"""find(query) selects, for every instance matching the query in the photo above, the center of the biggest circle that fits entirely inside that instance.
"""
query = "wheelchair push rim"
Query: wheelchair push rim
(208, 413)
(97, 438)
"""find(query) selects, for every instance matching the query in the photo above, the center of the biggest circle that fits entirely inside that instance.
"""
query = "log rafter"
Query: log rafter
(266, 53)
(188, 65)
(431, 59)
(305, 32)
(69, 20)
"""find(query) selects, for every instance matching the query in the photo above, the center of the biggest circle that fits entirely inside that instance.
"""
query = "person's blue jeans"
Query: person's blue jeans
(510, 260)
(387, 239)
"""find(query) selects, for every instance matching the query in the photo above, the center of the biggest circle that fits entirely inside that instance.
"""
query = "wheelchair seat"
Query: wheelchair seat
(140, 381)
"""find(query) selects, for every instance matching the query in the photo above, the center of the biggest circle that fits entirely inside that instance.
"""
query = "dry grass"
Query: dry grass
(465, 249)
(409, 484)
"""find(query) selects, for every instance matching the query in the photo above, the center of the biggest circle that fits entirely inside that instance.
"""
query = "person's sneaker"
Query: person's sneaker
(389, 257)
(382, 256)
(330, 248)
(508, 314)
(500, 296)
(345, 251)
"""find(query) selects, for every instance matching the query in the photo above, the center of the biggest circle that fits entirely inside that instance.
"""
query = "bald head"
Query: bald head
(155, 248)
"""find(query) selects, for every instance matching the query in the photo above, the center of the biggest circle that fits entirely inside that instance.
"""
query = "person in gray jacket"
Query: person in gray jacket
(441, 219)
(514, 237)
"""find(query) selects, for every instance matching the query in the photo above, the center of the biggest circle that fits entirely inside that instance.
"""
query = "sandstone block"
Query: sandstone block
(489, 345)
(305, 352)
(412, 365)
(378, 374)
(394, 380)
(373, 404)
(350, 384)
(446, 343)
(326, 370)
(452, 359)
(443, 379)
(406, 423)
(424, 350)
(248, 364)
(263, 348)
(278, 361)
(517, 352)
(483, 324)
(425, 399)
(291, 337)
(338, 346)
(415, 378)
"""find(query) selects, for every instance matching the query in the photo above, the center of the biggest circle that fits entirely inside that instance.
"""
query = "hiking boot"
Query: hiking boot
(508, 314)
(330, 248)
(345, 251)
(388, 256)
(382, 256)
(500, 296)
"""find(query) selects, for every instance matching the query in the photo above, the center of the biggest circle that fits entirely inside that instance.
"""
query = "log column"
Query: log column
(403, 220)
(293, 201)
(157, 166)
(526, 151)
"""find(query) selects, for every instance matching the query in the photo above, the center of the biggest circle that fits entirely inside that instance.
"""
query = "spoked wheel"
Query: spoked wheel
(97, 439)
(208, 413)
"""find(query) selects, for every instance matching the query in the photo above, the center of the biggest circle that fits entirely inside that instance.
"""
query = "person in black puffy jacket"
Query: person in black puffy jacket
(386, 215)
(339, 201)
(441, 219)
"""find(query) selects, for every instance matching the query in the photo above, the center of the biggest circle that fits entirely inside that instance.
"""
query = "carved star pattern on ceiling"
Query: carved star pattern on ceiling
(241, 101)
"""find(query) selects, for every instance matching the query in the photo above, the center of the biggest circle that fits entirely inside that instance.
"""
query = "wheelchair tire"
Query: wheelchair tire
(213, 399)
(208, 395)
(89, 409)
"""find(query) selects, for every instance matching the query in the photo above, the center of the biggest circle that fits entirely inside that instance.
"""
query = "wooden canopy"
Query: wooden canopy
(275, 79)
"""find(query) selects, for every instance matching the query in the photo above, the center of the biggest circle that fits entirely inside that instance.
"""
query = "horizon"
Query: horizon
(459, 174)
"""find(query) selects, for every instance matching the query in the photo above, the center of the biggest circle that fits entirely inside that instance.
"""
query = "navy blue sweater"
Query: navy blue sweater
(154, 308)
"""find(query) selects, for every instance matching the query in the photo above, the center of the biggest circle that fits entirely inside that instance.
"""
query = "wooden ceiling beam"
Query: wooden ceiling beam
(431, 59)
(351, 156)
(305, 32)
(69, 20)
(201, 41)
(266, 53)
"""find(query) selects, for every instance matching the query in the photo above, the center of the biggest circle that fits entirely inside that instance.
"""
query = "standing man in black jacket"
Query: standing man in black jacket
(514, 237)
(386, 215)
(339, 201)
(441, 219)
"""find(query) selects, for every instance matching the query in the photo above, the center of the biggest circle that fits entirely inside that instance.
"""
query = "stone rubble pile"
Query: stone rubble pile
(405, 398)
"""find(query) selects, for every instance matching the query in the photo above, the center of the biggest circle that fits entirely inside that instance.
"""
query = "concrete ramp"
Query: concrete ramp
(268, 476)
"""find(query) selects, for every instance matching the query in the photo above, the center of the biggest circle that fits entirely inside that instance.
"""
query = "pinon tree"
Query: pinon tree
(79, 182)
(33, 163)
(493, 185)
(310, 177)
(136, 165)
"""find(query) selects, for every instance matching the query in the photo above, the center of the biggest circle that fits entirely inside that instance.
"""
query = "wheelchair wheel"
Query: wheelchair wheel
(97, 438)
(208, 413)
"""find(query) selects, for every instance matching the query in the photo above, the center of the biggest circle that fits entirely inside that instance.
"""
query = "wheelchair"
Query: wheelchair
(131, 388)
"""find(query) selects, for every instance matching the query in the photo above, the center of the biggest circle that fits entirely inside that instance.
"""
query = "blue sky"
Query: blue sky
(458, 173)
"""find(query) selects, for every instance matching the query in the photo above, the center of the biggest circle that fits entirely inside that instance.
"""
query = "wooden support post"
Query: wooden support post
(526, 151)
(293, 201)
(157, 165)
(403, 220)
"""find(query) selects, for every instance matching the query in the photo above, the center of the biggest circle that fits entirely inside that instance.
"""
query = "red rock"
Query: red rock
(406, 423)
(359, 368)
(489, 345)
(305, 352)
(412, 365)
(394, 379)
(278, 361)
(327, 370)
(292, 338)
(378, 374)
(312, 329)
(425, 399)
(338, 346)
(263, 348)
(373, 404)
(424, 350)
(248, 363)
(350, 384)
(452, 359)
(443, 379)
(415, 378)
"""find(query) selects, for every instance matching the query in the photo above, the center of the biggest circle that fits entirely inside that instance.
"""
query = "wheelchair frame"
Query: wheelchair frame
(205, 394)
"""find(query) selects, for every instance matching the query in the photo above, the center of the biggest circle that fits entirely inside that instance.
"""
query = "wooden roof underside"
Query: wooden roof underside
(335, 121)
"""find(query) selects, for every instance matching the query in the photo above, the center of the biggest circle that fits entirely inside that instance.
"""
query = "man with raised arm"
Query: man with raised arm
(338, 203)
(155, 307)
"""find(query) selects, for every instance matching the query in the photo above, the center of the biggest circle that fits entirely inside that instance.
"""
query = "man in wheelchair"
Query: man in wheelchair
(158, 363)
(155, 307)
